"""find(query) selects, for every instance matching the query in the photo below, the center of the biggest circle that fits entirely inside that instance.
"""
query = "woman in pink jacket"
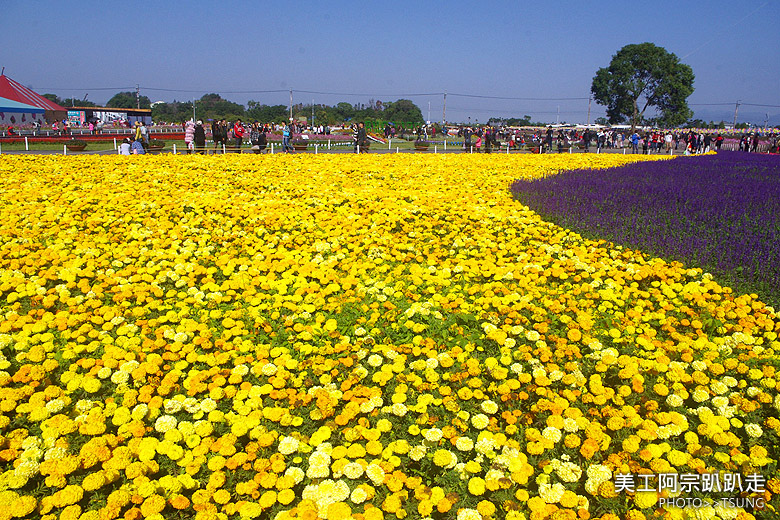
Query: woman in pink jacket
(189, 135)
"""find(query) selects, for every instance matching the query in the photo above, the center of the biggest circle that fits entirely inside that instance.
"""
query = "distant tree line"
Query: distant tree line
(213, 106)
(513, 121)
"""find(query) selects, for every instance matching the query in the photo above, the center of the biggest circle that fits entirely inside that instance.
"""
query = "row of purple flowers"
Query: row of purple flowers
(718, 212)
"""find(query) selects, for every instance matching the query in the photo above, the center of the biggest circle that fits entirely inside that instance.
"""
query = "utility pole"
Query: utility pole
(736, 109)
(312, 113)
(590, 98)
(137, 96)
(193, 110)
(429, 112)
(291, 105)
(558, 115)
(444, 112)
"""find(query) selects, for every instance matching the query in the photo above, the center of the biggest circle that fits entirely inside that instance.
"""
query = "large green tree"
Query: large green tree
(175, 112)
(214, 106)
(257, 111)
(127, 100)
(641, 76)
(69, 102)
(402, 111)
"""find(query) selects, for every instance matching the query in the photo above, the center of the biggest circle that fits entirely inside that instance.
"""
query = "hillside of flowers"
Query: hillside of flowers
(367, 337)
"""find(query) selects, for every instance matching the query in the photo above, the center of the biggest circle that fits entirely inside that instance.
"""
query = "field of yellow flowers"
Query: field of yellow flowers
(358, 337)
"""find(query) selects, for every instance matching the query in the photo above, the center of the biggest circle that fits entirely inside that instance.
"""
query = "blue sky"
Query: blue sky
(387, 50)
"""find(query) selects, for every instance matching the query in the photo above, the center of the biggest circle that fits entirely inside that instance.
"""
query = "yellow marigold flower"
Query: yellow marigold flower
(221, 496)
(267, 499)
(476, 486)
(486, 508)
(285, 496)
(153, 504)
(338, 511)
(72, 512)
(374, 513)
(250, 510)
(646, 499)
(425, 508)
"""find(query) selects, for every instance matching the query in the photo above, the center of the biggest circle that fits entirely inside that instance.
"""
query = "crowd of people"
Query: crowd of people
(231, 136)
(485, 138)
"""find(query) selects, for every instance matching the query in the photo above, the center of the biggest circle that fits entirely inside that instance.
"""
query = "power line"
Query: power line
(519, 110)
(367, 94)
(372, 94)
(519, 98)
(220, 91)
(82, 89)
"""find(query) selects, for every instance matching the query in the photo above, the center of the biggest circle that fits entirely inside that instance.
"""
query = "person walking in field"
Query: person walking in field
(287, 135)
(144, 135)
(635, 143)
(257, 138)
(467, 139)
(549, 139)
(219, 133)
(189, 135)
(238, 134)
(362, 138)
(707, 142)
(199, 137)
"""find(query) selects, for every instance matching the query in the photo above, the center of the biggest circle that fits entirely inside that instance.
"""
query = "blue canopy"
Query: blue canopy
(9, 105)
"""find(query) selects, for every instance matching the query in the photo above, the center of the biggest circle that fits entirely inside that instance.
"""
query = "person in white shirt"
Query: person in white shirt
(124, 148)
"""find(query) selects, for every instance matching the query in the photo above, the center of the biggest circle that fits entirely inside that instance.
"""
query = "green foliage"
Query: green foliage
(513, 121)
(73, 102)
(127, 100)
(54, 98)
(213, 106)
(402, 110)
(175, 112)
(69, 102)
(641, 76)
(266, 113)
(700, 123)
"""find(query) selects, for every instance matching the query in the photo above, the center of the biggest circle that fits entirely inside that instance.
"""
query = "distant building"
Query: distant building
(83, 115)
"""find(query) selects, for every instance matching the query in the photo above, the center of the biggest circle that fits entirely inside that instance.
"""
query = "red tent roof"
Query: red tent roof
(10, 89)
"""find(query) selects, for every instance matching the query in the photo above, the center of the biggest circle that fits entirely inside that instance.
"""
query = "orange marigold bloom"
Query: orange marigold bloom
(180, 502)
